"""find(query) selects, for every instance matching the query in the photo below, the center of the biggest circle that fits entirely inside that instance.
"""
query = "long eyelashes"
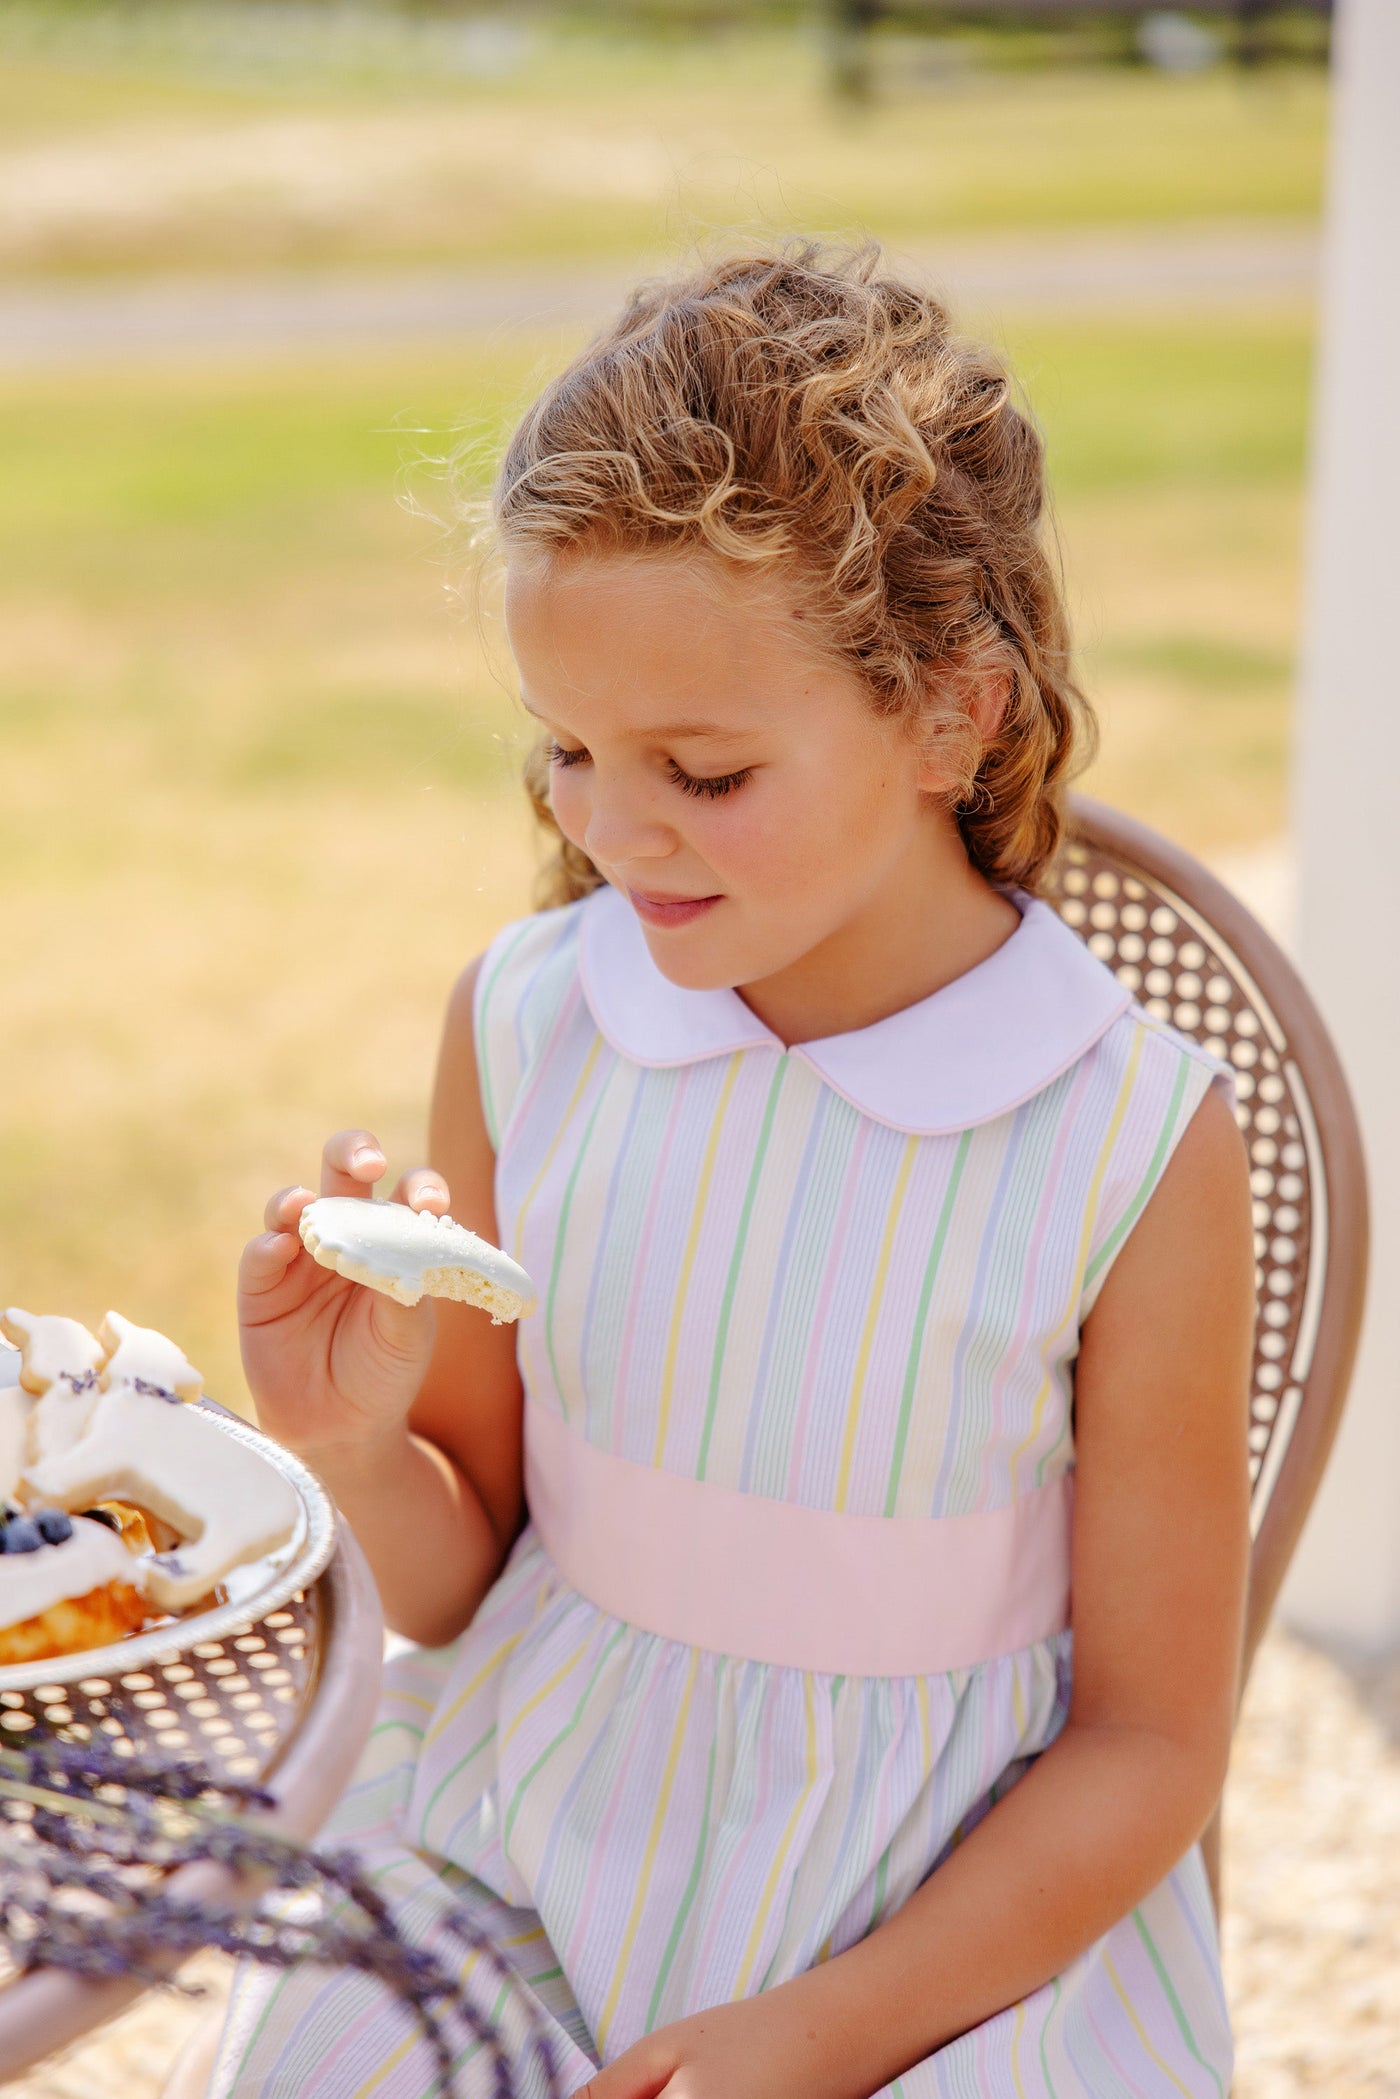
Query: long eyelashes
(709, 786)
(557, 755)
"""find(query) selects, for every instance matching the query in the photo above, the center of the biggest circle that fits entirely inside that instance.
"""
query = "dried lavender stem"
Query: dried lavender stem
(169, 1815)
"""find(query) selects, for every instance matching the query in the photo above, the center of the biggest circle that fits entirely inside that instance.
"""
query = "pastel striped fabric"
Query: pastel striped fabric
(747, 1279)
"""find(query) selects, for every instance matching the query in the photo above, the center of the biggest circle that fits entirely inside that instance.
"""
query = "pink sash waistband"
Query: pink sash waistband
(769, 1581)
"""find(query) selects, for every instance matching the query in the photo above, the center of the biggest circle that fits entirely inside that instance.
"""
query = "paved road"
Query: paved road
(46, 324)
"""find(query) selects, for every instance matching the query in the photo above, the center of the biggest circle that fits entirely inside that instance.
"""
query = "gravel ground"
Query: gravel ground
(1312, 1943)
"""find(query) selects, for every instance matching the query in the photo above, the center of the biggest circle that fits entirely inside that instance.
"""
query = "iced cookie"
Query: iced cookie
(66, 1584)
(16, 1405)
(223, 1500)
(50, 1347)
(410, 1254)
(61, 1416)
(134, 1352)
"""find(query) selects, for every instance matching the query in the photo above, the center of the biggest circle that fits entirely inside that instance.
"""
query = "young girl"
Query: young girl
(875, 1229)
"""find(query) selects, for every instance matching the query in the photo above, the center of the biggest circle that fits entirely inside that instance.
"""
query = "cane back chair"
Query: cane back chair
(1194, 955)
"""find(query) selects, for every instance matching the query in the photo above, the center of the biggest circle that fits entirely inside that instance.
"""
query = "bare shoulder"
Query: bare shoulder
(1193, 1246)
(1210, 1161)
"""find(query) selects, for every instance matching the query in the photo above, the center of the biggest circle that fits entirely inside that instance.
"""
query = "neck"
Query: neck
(933, 919)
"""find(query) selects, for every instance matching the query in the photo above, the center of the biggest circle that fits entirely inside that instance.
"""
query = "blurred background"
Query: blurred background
(265, 265)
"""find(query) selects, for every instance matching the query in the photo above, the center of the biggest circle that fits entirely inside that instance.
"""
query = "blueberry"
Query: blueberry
(102, 1516)
(53, 1526)
(22, 1536)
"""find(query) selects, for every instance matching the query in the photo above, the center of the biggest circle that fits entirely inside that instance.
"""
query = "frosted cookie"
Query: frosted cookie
(61, 1416)
(139, 1352)
(16, 1406)
(50, 1347)
(66, 1584)
(224, 1500)
(410, 1254)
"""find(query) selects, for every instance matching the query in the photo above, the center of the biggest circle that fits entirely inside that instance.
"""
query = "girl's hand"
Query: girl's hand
(764, 2047)
(332, 1366)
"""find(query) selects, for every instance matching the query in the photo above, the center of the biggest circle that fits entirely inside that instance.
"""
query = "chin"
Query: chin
(696, 960)
(695, 965)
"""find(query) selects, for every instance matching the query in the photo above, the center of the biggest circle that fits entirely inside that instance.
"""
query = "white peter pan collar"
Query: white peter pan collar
(974, 1050)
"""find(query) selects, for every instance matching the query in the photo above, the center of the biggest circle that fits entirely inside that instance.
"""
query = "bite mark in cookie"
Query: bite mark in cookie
(409, 1254)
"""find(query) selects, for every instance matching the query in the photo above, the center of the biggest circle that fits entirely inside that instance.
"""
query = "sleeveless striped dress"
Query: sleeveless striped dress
(791, 1610)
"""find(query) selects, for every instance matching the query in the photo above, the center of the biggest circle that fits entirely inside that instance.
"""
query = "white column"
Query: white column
(1345, 1582)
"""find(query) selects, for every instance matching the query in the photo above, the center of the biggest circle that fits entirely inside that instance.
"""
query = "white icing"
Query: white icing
(59, 1418)
(11, 1363)
(30, 1582)
(226, 1501)
(16, 1406)
(410, 1253)
(141, 1352)
(52, 1347)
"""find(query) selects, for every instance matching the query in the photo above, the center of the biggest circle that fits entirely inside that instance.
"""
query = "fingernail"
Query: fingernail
(366, 1155)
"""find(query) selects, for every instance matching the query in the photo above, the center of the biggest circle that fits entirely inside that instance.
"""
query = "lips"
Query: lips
(669, 910)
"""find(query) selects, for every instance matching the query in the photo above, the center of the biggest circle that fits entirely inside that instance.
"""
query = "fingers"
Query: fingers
(285, 1207)
(265, 1261)
(351, 1163)
(422, 1188)
(642, 2072)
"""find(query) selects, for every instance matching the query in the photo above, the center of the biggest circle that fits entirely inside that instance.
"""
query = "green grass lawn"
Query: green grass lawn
(116, 158)
(259, 775)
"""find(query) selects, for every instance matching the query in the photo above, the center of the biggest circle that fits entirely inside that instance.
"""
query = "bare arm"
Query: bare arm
(1161, 1545)
(412, 1416)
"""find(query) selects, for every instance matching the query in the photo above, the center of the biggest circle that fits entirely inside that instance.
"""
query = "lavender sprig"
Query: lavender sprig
(88, 1837)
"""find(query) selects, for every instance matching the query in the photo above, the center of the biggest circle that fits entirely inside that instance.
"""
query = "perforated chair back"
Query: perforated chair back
(50, 2008)
(1194, 955)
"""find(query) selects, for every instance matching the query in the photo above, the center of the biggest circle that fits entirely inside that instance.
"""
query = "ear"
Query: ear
(984, 699)
(988, 699)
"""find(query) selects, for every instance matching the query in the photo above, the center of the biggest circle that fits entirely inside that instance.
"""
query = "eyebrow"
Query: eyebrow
(668, 729)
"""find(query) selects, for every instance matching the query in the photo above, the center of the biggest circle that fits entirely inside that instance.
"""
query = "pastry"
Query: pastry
(61, 1415)
(16, 1406)
(410, 1254)
(50, 1347)
(138, 1354)
(225, 1502)
(66, 1584)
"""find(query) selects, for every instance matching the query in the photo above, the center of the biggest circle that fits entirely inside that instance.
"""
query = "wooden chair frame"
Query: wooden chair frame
(1113, 873)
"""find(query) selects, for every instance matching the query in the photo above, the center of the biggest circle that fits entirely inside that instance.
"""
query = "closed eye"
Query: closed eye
(709, 785)
(557, 755)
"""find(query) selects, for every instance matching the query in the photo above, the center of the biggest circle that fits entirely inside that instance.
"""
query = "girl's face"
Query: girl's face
(731, 781)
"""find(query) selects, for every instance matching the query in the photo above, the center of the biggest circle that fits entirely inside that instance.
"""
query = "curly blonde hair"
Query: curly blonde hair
(800, 406)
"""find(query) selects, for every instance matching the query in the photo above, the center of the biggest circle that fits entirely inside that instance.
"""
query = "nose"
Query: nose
(622, 826)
